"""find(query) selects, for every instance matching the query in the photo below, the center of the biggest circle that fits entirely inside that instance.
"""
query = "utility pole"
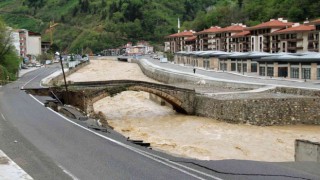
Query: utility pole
(64, 77)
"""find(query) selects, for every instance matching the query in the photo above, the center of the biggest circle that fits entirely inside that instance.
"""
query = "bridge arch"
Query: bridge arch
(175, 102)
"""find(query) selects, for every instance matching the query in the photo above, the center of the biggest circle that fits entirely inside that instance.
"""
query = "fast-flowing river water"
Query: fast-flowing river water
(134, 115)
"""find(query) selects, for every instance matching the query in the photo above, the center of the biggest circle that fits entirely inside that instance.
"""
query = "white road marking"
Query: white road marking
(32, 79)
(159, 159)
(3, 117)
(10, 170)
(69, 173)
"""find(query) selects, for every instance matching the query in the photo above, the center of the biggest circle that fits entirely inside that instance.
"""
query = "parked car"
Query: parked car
(24, 66)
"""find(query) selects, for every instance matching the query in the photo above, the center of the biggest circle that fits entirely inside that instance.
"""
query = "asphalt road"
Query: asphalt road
(247, 78)
(50, 146)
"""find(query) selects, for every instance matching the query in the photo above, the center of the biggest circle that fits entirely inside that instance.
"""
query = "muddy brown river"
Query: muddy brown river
(134, 115)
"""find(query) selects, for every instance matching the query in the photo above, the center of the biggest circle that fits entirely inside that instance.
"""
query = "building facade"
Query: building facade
(177, 42)
(30, 43)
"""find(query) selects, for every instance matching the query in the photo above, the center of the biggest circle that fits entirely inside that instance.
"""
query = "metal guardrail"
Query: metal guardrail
(73, 64)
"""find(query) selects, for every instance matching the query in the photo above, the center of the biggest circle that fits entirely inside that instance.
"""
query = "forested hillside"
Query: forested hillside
(100, 24)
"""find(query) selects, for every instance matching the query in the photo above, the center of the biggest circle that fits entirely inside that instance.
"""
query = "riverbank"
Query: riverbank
(137, 117)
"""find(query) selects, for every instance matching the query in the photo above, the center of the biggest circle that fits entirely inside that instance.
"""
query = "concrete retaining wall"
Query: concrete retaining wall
(170, 77)
(262, 112)
(259, 111)
(307, 151)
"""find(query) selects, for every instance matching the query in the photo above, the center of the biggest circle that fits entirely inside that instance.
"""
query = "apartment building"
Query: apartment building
(260, 35)
(313, 37)
(240, 42)
(30, 43)
(177, 42)
(206, 39)
(273, 49)
(293, 39)
(223, 37)
(190, 43)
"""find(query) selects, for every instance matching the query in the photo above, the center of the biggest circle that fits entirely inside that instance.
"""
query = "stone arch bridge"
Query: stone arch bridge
(84, 94)
(182, 100)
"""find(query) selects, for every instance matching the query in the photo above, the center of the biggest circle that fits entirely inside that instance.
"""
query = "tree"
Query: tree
(5, 41)
(9, 61)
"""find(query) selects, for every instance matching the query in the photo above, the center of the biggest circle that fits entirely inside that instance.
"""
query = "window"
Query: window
(294, 72)
(306, 73)
(206, 64)
(233, 66)
(223, 66)
(262, 71)
(318, 73)
(270, 71)
(244, 67)
(253, 67)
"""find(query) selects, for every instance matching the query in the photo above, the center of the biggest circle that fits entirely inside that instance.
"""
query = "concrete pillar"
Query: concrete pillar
(258, 69)
(314, 71)
(200, 62)
(214, 63)
(249, 65)
(300, 71)
(275, 69)
(228, 65)
(289, 70)
(237, 66)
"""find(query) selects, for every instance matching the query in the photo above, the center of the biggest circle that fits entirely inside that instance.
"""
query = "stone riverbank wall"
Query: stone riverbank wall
(279, 106)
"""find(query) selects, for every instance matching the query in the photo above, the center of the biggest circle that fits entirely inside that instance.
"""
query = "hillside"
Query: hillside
(100, 24)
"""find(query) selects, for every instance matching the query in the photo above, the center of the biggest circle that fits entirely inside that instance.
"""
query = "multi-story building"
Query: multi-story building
(191, 43)
(30, 43)
(293, 39)
(15, 40)
(206, 39)
(178, 41)
(260, 38)
(240, 42)
(313, 37)
(223, 37)
(276, 48)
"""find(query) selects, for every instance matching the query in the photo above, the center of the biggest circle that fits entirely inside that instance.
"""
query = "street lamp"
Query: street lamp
(64, 77)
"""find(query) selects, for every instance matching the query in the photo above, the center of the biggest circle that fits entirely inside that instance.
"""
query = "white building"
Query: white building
(30, 43)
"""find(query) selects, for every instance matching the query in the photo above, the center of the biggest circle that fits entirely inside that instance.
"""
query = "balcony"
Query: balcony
(266, 49)
(294, 39)
(294, 47)
(313, 48)
(313, 39)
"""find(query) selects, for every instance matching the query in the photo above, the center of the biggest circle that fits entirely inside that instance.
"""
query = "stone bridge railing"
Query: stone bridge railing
(182, 100)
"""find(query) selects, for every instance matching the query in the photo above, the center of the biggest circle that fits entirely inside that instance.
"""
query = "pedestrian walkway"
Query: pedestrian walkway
(10, 170)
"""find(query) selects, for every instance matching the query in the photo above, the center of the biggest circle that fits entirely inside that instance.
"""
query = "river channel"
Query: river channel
(134, 115)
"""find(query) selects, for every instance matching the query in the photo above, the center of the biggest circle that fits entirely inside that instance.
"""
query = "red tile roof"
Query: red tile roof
(210, 30)
(233, 28)
(181, 34)
(193, 38)
(315, 22)
(271, 24)
(300, 28)
(241, 34)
